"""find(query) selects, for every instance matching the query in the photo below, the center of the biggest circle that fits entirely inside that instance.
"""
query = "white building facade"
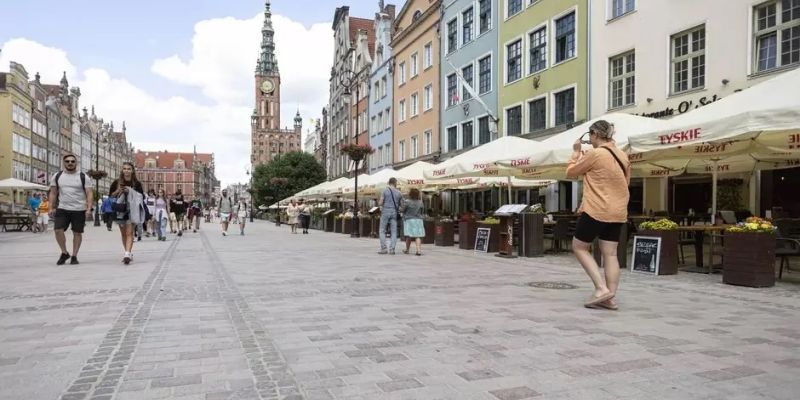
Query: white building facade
(662, 58)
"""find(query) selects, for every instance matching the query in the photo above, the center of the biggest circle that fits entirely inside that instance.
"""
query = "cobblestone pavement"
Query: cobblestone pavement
(277, 316)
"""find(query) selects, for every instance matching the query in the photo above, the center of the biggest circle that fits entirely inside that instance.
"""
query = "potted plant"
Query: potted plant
(337, 223)
(347, 224)
(466, 232)
(494, 236)
(96, 174)
(532, 232)
(365, 225)
(356, 152)
(749, 254)
(667, 231)
(444, 232)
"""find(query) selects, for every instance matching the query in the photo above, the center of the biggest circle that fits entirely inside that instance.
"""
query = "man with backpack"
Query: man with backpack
(196, 211)
(72, 198)
(225, 211)
(178, 206)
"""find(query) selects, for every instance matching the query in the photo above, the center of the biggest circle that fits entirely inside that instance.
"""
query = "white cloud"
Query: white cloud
(224, 52)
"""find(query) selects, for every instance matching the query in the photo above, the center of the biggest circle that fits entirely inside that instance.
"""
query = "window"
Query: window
(514, 61)
(383, 86)
(484, 15)
(565, 106)
(537, 43)
(414, 105)
(378, 157)
(466, 26)
(622, 80)
(23, 116)
(467, 73)
(401, 74)
(388, 121)
(537, 115)
(427, 56)
(452, 93)
(428, 138)
(377, 90)
(388, 150)
(776, 36)
(374, 125)
(514, 7)
(414, 147)
(21, 144)
(452, 35)
(485, 74)
(402, 150)
(427, 100)
(622, 7)
(484, 136)
(565, 37)
(689, 60)
(414, 65)
(402, 116)
(452, 138)
(514, 121)
(466, 134)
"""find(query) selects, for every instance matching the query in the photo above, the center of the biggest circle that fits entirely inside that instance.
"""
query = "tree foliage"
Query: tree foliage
(299, 171)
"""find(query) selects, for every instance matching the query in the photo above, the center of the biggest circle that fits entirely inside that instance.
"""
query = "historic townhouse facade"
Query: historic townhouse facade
(380, 100)
(268, 139)
(193, 173)
(469, 34)
(646, 64)
(360, 89)
(16, 136)
(341, 128)
(415, 45)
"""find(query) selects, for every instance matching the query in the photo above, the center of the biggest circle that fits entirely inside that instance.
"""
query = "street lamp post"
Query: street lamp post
(97, 177)
(348, 78)
(252, 190)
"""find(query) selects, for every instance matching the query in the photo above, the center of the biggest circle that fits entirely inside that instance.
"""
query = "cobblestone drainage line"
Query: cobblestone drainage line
(99, 378)
(552, 285)
(273, 378)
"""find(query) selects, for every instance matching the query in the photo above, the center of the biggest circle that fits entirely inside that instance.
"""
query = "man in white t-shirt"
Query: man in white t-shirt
(71, 196)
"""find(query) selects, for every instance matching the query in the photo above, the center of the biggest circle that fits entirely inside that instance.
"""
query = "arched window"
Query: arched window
(150, 163)
(179, 164)
(416, 16)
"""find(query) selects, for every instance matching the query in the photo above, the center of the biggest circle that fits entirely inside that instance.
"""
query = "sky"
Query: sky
(178, 72)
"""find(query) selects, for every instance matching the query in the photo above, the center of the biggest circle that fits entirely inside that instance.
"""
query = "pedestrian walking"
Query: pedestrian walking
(304, 213)
(413, 228)
(128, 207)
(603, 210)
(196, 209)
(225, 210)
(71, 194)
(43, 217)
(293, 212)
(161, 214)
(33, 208)
(241, 213)
(108, 211)
(150, 204)
(390, 202)
(178, 206)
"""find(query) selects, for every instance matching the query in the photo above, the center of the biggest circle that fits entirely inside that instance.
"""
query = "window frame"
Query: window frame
(401, 149)
(414, 104)
(611, 8)
(427, 144)
(401, 74)
(447, 88)
(465, 95)
(688, 58)
(490, 57)
(506, 61)
(427, 98)
(527, 111)
(401, 115)
(777, 30)
(507, 10)
(469, 10)
(506, 119)
(427, 56)
(452, 45)
(621, 78)
(554, 38)
(471, 122)
(414, 146)
(553, 103)
(450, 147)
(413, 61)
(487, 18)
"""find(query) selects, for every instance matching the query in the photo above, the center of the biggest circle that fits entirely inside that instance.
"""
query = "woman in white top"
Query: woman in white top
(293, 211)
(241, 213)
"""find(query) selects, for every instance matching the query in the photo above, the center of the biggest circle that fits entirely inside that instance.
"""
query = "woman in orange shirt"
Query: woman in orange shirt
(604, 208)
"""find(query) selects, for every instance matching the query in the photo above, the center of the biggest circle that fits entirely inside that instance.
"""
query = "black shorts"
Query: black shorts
(65, 218)
(179, 216)
(588, 229)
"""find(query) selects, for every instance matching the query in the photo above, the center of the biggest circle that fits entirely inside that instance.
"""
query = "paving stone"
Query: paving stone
(176, 381)
(517, 393)
(394, 386)
(478, 374)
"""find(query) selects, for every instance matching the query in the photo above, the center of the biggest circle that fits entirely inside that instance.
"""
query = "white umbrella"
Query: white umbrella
(480, 161)
(17, 184)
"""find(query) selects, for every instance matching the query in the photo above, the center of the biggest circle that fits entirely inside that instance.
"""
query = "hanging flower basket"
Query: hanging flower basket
(95, 174)
(357, 152)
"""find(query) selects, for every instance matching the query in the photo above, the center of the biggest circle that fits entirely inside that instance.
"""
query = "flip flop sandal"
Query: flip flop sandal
(608, 305)
(597, 300)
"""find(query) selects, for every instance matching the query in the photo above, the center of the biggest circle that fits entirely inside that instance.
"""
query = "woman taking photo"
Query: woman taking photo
(604, 208)
(161, 214)
(129, 207)
(413, 227)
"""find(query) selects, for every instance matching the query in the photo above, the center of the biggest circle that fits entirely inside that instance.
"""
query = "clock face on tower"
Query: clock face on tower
(267, 86)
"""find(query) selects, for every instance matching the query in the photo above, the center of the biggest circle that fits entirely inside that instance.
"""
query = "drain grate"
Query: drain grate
(552, 285)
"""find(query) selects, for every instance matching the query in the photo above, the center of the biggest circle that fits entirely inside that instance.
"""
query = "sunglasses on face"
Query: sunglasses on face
(586, 141)
(69, 161)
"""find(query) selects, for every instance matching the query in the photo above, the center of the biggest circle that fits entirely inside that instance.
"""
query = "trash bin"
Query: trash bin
(531, 238)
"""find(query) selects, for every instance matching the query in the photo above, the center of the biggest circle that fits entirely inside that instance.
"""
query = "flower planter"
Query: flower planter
(466, 235)
(337, 225)
(749, 259)
(430, 231)
(347, 226)
(494, 236)
(364, 227)
(669, 249)
(444, 233)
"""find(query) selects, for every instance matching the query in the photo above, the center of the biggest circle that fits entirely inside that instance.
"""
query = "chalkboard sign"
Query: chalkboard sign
(646, 254)
(482, 240)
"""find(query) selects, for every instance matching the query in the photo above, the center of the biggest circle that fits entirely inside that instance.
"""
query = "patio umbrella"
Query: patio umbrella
(17, 184)
(480, 161)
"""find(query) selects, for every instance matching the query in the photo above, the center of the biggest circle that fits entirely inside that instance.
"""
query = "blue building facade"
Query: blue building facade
(469, 35)
(380, 99)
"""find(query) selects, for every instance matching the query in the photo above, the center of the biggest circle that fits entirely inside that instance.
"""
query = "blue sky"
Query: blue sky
(180, 72)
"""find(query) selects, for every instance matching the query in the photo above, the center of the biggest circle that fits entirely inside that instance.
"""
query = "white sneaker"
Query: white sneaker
(224, 233)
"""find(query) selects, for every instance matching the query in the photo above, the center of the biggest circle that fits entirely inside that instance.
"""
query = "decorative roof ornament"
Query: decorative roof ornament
(267, 63)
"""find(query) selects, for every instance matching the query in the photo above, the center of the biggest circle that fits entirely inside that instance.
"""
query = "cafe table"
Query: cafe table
(17, 222)
(699, 236)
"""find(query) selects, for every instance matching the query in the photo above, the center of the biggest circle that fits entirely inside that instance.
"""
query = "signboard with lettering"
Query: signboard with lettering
(646, 254)
(482, 240)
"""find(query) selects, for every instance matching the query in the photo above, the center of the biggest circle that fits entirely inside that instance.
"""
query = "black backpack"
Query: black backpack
(58, 175)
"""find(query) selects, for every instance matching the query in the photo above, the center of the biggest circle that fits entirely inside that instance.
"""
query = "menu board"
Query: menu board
(646, 254)
(482, 240)
(509, 209)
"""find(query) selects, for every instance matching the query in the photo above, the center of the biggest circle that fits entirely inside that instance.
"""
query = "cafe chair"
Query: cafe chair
(728, 217)
(557, 234)
(785, 248)
(685, 239)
